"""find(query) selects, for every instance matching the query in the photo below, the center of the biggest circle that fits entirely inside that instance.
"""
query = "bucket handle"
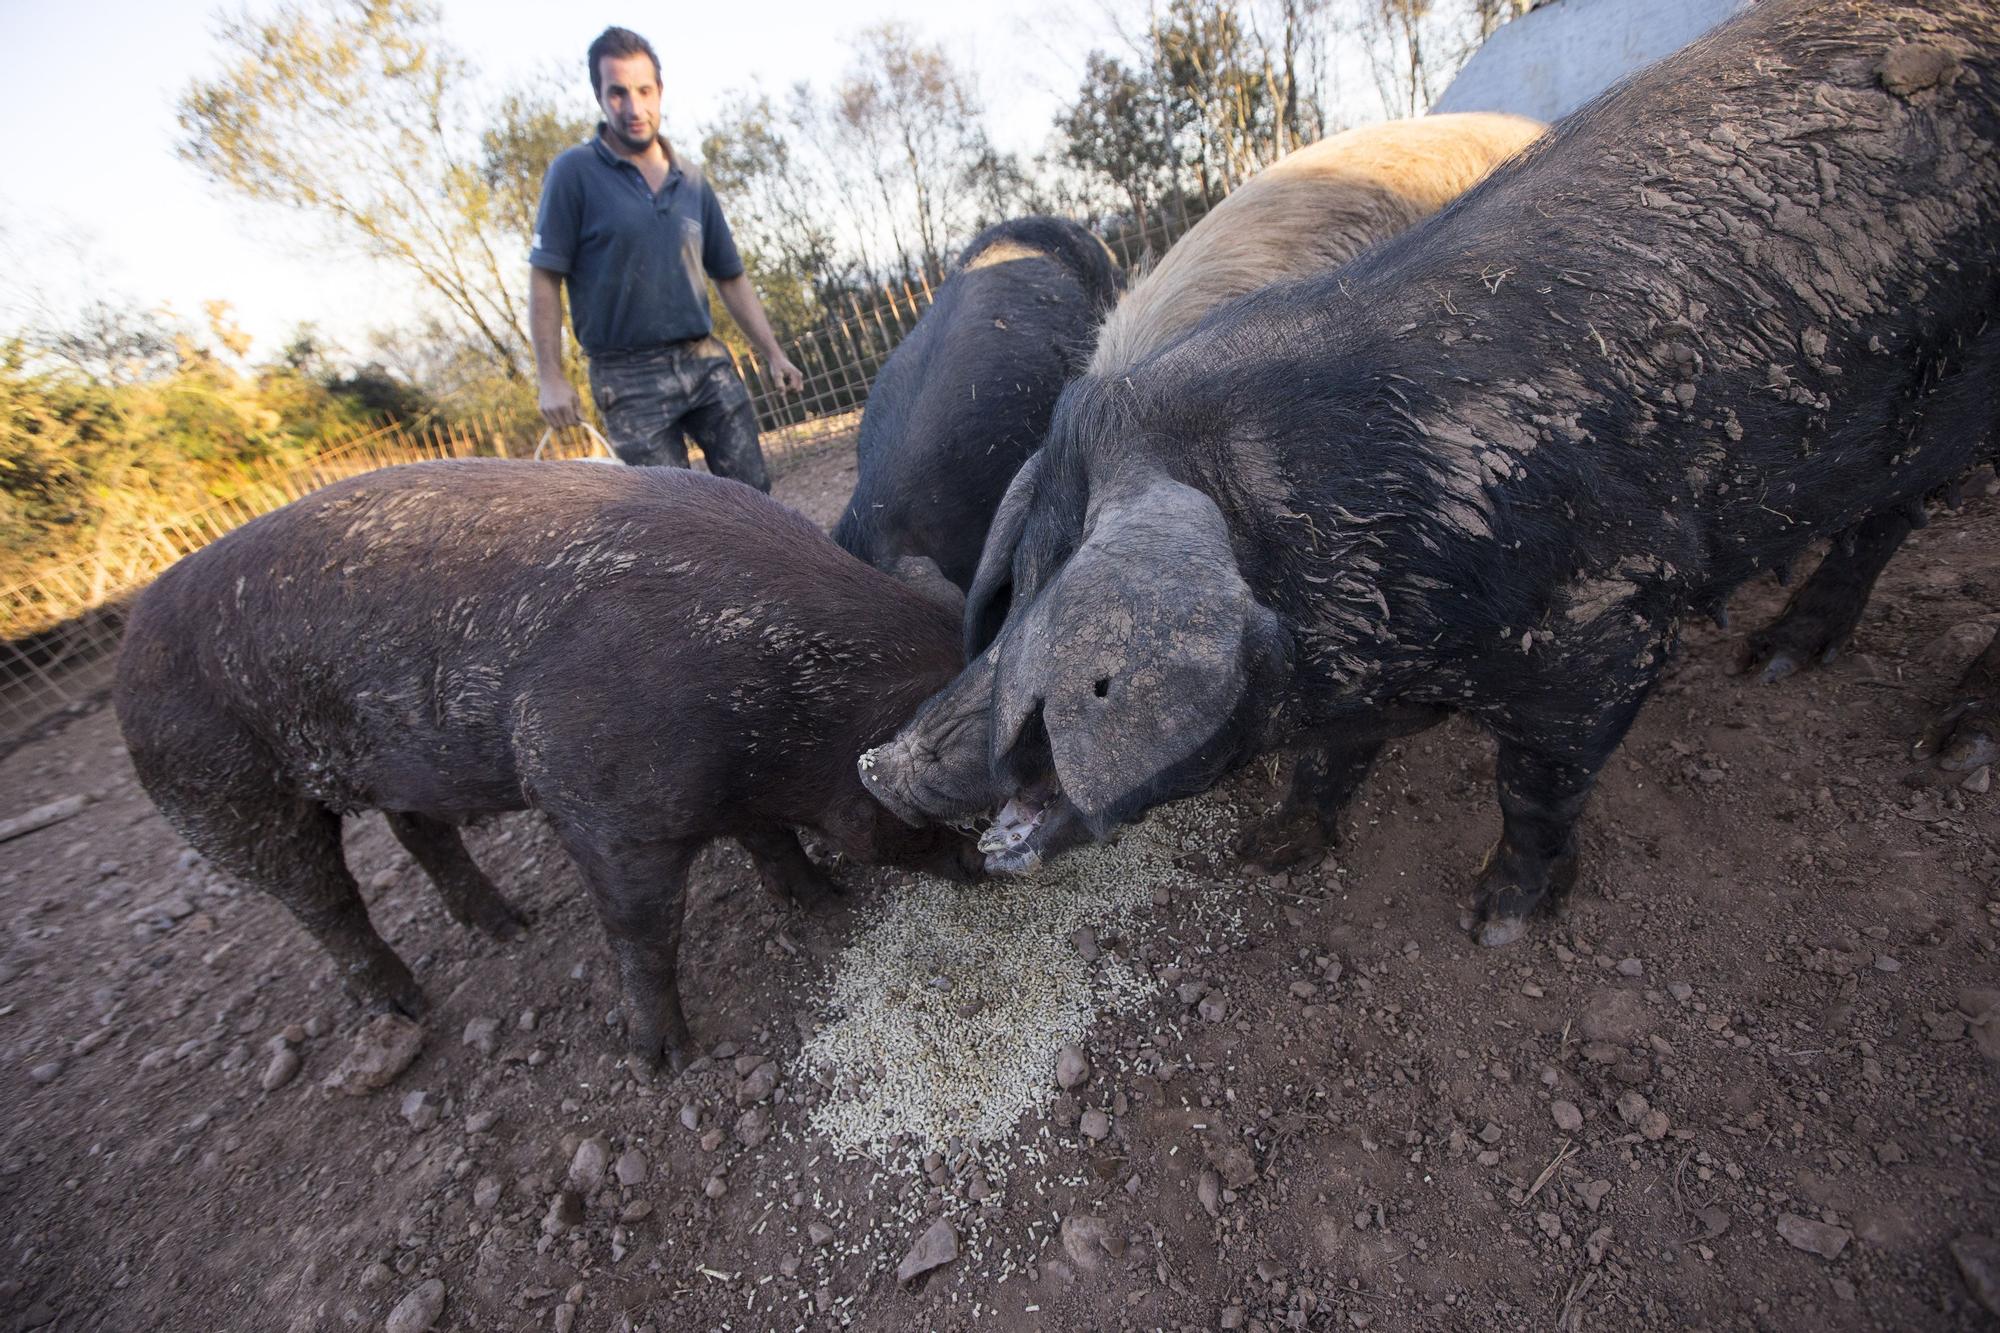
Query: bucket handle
(610, 455)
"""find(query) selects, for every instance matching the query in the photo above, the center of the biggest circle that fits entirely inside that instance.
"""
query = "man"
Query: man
(634, 232)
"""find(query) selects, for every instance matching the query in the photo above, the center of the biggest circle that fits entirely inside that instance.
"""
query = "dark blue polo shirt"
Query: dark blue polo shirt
(634, 260)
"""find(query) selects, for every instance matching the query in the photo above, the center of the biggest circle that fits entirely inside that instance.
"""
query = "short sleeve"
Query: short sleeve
(718, 247)
(559, 218)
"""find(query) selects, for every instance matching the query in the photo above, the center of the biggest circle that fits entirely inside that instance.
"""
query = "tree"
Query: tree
(908, 119)
(1115, 132)
(356, 112)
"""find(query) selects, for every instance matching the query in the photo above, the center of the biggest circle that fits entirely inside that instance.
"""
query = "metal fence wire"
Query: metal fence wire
(59, 629)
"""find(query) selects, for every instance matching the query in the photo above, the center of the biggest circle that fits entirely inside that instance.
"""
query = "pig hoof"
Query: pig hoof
(1963, 739)
(1781, 665)
(1496, 931)
(398, 995)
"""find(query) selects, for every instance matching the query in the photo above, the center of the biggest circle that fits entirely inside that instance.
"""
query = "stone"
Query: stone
(1213, 1008)
(759, 1084)
(753, 1127)
(486, 1194)
(46, 1072)
(1631, 967)
(587, 1166)
(482, 1035)
(631, 1168)
(419, 1110)
(1615, 1016)
(381, 1051)
(418, 1310)
(819, 1233)
(1568, 1119)
(1084, 940)
(1979, 1264)
(690, 1117)
(1208, 1189)
(1813, 1237)
(481, 1121)
(1087, 1240)
(1632, 1107)
(1072, 1069)
(1234, 1164)
(937, 1247)
(1597, 1244)
(1095, 1124)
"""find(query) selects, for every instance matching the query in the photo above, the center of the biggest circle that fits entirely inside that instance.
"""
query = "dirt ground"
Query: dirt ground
(1730, 1088)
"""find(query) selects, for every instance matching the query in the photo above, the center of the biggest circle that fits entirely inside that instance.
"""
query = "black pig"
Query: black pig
(966, 397)
(1745, 300)
(653, 658)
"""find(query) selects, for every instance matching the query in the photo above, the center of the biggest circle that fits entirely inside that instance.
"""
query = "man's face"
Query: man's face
(631, 100)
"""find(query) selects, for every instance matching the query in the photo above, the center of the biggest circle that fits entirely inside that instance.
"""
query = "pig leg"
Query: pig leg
(784, 867)
(1966, 735)
(1820, 617)
(291, 850)
(468, 895)
(1307, 825)
(639, 888)
(1542, 792)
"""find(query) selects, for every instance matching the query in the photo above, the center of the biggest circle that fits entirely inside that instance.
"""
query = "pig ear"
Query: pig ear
(1152, 662)
(987, 605)
(922, 573)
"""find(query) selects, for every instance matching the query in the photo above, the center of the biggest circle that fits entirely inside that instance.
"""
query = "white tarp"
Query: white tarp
(1548, 63)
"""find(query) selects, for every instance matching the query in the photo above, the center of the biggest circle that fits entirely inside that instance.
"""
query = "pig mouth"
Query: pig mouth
(1035, 825)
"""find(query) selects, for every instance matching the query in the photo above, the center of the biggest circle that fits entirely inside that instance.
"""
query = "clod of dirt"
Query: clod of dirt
(1813, 1237)
(753, 1127)
(382, 1050)
(587, 1167)
(1087, 1240)
(1095, 1124)
(1617, 1017)
(761, 1082)
(1072, 1069)
(1979, 1264)
(1568, 1119)
(1981, 1007)
(419, 1110)
(1911, 67)
(632, 1168)
(937, 1247)
(418, 1310)
(482, 1035)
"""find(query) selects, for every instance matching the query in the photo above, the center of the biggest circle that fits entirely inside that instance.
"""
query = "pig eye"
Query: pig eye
(1103, 686)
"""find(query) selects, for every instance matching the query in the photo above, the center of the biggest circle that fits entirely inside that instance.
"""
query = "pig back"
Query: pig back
(383, 637)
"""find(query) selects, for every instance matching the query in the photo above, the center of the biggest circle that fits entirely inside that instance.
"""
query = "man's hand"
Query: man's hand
(561, 408)
(783, 373)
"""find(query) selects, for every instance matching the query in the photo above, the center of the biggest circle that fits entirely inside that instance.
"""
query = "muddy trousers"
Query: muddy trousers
(653, 401)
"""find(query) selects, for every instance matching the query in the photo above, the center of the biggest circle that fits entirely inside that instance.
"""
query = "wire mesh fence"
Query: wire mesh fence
(59, 629)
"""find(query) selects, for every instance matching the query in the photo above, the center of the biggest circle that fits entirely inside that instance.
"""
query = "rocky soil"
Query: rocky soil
(1750, 1079)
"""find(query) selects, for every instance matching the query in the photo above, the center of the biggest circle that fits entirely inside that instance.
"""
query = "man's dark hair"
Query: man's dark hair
(618, 43)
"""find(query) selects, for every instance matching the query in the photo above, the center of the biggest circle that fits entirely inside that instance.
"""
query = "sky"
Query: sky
(93, 200)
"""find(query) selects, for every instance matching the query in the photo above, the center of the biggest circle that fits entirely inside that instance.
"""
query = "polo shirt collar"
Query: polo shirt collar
(612, 159)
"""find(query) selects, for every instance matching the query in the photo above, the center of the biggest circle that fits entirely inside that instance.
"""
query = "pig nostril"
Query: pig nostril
(1103, 686)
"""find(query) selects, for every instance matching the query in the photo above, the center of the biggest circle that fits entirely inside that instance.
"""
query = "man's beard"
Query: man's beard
(630, 144)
